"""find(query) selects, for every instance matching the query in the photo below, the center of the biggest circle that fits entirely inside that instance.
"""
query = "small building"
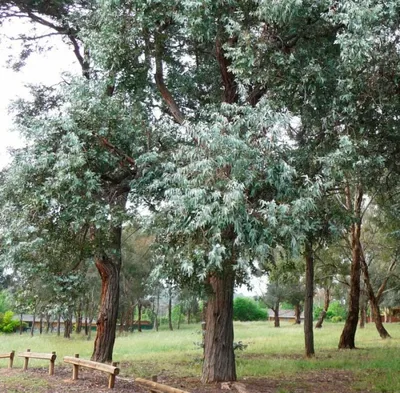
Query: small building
(284, 316)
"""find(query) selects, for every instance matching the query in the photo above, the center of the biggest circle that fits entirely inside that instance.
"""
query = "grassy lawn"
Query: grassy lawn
(271, 352)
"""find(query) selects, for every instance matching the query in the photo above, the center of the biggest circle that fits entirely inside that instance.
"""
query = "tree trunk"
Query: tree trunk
(67, 327)
(277, 322)
(33, 324)
(219, 357)
(156, 324)
(170, 309)
(322, 316)
(109, 270)
(363, 314)
(179, 317)
(139, 320)
(58, 324)
(297, 314)
(79, 319)
(373, 300)
(308, 302)
(21, 321)
(48, 317)
(41, 323)
(347, 339)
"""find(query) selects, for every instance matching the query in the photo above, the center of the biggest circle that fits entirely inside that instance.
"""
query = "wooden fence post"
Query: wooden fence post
(12, 354)
(52, 361)
(26, 361)
(75, 369)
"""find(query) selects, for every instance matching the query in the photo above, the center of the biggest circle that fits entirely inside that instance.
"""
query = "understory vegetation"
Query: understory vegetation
(270, 353)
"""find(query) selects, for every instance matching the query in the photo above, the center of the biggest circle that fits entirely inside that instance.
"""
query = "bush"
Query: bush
(336, 309)
(7, 323)
(246, 309)
(336, 318)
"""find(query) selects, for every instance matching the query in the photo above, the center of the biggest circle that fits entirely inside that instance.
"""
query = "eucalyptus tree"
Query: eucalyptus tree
(65, 193)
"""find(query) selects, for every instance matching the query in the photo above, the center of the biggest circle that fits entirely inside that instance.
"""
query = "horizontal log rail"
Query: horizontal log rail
(112, 370)
(38, 355)
(9, 355)
(158, 387)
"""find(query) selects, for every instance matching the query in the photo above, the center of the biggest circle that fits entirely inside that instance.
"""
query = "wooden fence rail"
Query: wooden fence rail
(38, 355)
(9, 355)
(112, 370)
(158, 387)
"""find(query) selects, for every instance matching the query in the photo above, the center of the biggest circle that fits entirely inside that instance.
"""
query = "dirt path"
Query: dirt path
(37, 381)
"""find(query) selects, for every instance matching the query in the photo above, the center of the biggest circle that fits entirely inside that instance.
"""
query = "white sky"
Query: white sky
(40, 68)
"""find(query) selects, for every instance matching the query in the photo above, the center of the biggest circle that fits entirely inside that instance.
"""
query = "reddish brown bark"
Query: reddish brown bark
(373, 301)
(308, 301)
(347, 339)
(219, 357)
(109, 269)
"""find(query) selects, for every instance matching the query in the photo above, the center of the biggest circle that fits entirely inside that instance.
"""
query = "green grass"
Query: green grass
(271, 352)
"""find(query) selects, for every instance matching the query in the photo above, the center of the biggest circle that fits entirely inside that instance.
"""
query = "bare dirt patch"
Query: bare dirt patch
(37, 381)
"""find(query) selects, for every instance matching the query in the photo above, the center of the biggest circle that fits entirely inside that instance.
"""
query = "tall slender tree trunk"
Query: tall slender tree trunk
(156, 324)
(21, 321)
(219, 356)
(373, 301)
(363, 313)
(277, 322)
(139, 320)
(33, 324)
(347, 339)
(327, 299)
(109, 267)
(79, 319)
(297, 314)
(58, 324)
(309, 301)
(41, 323)
(170, 309)
(48, 317)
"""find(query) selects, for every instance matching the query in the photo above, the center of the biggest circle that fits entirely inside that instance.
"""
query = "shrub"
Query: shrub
(336, 318)
(7, 323)
(246, 309)
(336, 309)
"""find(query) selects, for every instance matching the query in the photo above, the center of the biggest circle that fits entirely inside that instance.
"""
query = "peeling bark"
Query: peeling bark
(109, 268)
(219, 358)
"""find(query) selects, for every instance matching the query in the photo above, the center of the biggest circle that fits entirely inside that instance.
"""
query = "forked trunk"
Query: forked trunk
(219, 358)
(347, 339)
(373, 300)
(308, 302)
(322, 316)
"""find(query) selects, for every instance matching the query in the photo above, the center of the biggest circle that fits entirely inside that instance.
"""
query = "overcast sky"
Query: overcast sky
(40, 68)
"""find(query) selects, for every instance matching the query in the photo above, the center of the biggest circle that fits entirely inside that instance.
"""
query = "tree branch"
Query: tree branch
(159, 78)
